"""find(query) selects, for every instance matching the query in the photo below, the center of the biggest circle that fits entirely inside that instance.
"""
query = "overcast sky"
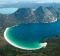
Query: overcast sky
(41, 1)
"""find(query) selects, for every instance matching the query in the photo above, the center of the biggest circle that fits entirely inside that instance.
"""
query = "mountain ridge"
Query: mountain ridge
(40, 15)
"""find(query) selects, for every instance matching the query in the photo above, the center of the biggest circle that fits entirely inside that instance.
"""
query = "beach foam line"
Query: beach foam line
(42, 45)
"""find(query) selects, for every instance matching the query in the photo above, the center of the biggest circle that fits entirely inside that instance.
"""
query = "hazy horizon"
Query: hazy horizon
(33, 1)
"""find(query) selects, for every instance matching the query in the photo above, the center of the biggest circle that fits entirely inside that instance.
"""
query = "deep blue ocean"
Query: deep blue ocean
(32, 34)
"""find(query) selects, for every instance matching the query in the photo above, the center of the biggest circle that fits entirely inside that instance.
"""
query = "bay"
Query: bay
(29, 36)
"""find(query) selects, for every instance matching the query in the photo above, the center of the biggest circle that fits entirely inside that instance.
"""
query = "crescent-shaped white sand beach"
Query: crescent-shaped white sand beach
(42, 45)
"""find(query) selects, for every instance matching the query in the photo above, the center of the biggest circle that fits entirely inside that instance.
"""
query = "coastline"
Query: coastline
(42, 45)
(51, 21)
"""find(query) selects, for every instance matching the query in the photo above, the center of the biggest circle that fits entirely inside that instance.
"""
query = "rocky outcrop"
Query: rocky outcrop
(24, 15)
(44, 15)
(40, 15)
(55, 11)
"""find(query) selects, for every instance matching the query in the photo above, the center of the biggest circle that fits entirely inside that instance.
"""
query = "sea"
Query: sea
(8, 10)
(31, 35)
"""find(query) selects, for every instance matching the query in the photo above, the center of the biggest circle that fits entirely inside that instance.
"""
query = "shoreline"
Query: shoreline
(42, 45)
(35, 22)
(51, 21)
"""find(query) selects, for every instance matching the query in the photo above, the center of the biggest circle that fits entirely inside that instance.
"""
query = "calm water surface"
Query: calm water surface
(32, 34)
(8, 10)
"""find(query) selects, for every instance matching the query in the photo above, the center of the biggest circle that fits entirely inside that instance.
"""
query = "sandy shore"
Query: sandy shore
(42, 45)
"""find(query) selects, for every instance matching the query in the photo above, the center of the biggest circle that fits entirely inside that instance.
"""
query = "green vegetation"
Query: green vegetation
(52, 49)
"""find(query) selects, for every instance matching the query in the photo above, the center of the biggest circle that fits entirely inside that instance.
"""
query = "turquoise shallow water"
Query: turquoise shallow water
(29, 36)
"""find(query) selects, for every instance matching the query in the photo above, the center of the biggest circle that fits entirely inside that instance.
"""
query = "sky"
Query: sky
(39, 1)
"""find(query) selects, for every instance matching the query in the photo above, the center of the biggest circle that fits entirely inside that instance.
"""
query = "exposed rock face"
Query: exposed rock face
(23, 14)
(55, 11)
(44, 15)
(40, 15)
